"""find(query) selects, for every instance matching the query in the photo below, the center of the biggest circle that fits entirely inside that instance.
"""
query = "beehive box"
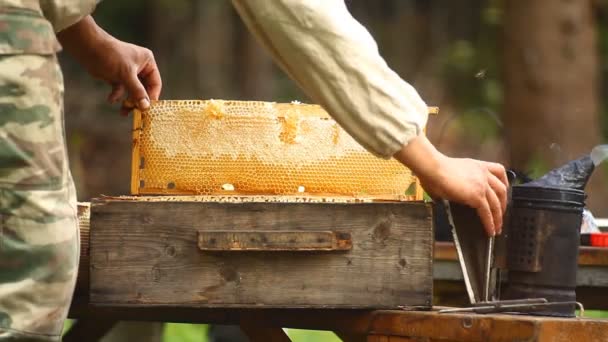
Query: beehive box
(264, 205)
(260, 252)
(220, 147)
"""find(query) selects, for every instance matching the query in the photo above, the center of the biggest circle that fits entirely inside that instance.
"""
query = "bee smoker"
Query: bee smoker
(532, 266)
(542, 234)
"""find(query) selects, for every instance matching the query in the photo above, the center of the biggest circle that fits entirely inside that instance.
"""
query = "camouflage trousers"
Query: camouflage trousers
(39, 241)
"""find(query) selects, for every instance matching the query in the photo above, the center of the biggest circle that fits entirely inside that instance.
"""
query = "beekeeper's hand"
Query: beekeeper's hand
(478, 184)
(130, 69)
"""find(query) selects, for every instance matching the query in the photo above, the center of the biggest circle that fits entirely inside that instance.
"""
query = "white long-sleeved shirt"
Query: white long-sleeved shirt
(336, 62)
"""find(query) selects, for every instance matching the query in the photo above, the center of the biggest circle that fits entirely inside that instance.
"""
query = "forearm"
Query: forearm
(336, 62)
(84, 40)
(420, 156)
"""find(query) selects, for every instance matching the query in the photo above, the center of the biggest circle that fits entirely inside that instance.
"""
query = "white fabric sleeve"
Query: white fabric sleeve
(336, 62)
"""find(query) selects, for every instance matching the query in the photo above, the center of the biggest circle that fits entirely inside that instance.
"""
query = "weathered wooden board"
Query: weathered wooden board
(147, 253)
(436, 327)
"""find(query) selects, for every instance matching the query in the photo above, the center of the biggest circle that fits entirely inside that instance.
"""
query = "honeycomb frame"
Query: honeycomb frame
(162, 166)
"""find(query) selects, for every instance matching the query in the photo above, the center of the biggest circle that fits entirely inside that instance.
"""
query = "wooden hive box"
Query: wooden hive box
(253, 253)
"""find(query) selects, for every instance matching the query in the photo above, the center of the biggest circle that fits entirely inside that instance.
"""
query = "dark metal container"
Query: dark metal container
(543, 237)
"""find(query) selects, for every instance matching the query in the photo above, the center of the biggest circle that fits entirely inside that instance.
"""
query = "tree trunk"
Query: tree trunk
(254, 71)
(192, 42)
(550, 63)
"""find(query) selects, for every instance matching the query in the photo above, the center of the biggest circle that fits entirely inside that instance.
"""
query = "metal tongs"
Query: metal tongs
(475, 252)
(514, 305)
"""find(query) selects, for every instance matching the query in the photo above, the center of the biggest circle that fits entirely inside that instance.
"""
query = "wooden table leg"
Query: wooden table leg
(259, 333)
(89, 330)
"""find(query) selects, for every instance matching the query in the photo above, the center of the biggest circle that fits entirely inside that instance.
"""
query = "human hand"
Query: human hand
(478, 184)
(130, 69)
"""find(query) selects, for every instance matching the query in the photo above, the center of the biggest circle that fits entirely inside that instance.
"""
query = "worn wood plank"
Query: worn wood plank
(344, 320)
(417, 325)
(379, 338)
(278, 241)
(555, 331)
(432, 326)
(588, 256)
(147, 253)
(346, 337)
(82, 288)
(586, 276)
(135, 152)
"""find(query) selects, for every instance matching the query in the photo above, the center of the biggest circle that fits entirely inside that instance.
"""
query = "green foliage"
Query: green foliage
(595, 314)
(67, 325)
(411, 190)
(297, 335)
(124, 19)
(471, 70)
(198, 333)
(479, 123)
(491, 15)
(427, 197)
(175, 332)
(460, 59)
(537, 167)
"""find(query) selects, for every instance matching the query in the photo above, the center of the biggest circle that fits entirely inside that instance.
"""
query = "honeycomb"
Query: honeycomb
(239, 148)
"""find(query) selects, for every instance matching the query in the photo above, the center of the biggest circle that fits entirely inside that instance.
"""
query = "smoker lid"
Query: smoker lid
(548, 194)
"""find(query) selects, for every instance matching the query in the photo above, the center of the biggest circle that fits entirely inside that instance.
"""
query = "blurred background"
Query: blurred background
(524, 83)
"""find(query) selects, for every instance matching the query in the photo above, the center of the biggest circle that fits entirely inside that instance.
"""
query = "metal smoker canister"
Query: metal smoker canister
(543, 237)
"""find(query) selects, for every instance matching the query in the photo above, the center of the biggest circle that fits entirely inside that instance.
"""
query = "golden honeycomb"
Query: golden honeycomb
(249, 148)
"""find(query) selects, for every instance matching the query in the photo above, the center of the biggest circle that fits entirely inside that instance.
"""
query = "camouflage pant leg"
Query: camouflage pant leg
(39, 239)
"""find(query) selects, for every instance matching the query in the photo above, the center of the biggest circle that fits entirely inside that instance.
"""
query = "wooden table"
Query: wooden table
(354, 325)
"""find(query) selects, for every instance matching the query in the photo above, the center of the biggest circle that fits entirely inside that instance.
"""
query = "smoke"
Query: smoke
(599, 154)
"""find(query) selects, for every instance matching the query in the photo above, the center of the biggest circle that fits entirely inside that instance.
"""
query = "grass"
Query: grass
(596, 314)
(298, 335)
(185, 332)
